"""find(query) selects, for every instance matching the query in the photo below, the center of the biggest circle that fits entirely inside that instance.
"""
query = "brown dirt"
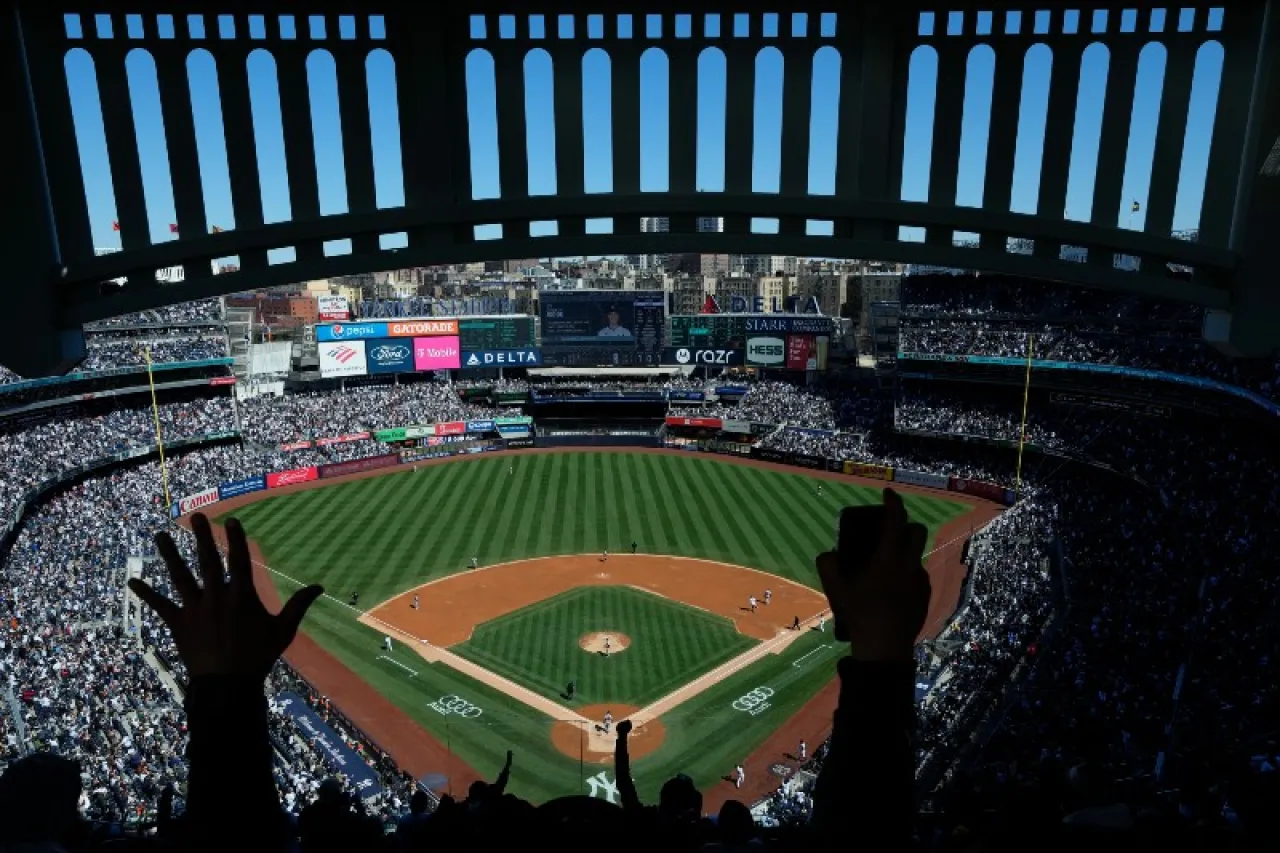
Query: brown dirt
(418, 753)
(584, 744)
(451, 607)
(598, 643)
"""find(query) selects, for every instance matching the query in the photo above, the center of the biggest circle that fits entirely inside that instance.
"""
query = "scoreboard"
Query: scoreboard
(707, 331)
(495, 333)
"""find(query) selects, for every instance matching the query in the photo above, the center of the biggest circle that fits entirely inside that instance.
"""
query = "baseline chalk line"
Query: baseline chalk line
(397, 663)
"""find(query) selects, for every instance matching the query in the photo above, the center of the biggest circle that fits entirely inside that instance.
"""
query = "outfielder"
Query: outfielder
(475, 562)
(386, 643)
(571, 689)
(822, 622)
(819, 490)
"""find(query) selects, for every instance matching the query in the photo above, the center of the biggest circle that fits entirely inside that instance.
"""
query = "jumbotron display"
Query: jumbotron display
(602, 328)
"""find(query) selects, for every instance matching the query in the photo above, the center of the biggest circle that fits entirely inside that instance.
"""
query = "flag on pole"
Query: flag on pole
(173, 228)
(216, 229)
(115, 226)
(1136, 207)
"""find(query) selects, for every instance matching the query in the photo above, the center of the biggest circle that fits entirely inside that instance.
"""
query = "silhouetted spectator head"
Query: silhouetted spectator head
(735, 823)
(39, 798)
(680, 799)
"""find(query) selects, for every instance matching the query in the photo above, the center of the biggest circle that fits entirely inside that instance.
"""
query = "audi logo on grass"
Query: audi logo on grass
(755, 702)
(455, 705)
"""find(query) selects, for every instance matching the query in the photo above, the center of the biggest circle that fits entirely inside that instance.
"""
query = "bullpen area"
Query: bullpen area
(489, 617)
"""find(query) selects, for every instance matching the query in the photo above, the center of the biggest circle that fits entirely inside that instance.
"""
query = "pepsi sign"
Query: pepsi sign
(350, 331)
(389, 355)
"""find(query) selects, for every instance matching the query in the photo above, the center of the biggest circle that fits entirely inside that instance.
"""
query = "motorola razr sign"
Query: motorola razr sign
(766, 352)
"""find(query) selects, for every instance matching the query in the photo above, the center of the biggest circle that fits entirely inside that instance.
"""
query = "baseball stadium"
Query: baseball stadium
(473, 428)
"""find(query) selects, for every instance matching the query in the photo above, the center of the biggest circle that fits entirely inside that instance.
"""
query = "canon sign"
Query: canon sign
(191, 503)
(766, 351)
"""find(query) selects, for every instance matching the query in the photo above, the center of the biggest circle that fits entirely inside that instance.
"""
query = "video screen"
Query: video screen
(602, 328)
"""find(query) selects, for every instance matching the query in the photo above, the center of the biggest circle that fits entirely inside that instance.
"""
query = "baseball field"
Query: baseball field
(482, 661)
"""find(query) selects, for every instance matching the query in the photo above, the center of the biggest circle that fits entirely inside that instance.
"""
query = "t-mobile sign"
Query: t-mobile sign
(442, 353)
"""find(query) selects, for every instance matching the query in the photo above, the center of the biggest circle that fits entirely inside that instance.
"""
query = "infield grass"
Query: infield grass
(385, 535)
(671, 644)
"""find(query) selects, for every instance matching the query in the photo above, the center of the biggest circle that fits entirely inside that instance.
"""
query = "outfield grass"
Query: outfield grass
(388, 534)
(671, 644)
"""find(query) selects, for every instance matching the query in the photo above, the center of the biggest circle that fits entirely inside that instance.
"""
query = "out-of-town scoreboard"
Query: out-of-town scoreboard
(707, 331)
(495, 333)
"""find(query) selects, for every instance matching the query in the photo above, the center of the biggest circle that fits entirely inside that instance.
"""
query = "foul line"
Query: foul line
(397, 663)
(819, 650)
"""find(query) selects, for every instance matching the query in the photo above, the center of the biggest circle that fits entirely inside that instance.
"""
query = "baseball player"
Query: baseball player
(386, 643)
(752, 602)
(795, 625)
(475, 562)
(355, 598)
(633, 547)
(822, 622)
(608, 646)
(604, 558)
(819, 490)
(608, 721)
(768, 596)
(571, 689)
(742, 776)
(415, 601)
(804, 750)
(511, 469)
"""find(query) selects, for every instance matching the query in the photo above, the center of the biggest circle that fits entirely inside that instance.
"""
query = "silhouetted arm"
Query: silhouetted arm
(498, 788)
(622, 767)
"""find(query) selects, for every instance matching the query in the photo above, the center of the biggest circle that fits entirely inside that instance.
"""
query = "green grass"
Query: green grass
(671, 644)
(389, 534)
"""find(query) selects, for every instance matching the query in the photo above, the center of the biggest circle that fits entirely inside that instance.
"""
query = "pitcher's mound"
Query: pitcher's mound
(595, 642)
(590, 742)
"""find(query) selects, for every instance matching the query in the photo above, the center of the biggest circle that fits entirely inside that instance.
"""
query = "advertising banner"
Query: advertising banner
(700, 423)
(385, 435)
(337, 360)
(296, 445)
(768, 454)
(337, 755)
(440, 353)
(355, 466)
(517, 443)
(692, 355)
(191, 503)
(292, 477)
(799, 352)
(333, 308)
(990, 491)
(805, 461)
(451, 428)
(223, 380)
(513, 431)
(740, 427)
(424, 329)
(509, 397)
(389, 355)
(350, 332)
(481, 426)
(241, 487)
(530, 357)
(506, 422)
(919, 478)
(341, 439)
(766, 352)
(420, 431)
(875, 472)
(696, 396)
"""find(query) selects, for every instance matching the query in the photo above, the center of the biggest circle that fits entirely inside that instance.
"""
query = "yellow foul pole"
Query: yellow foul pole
(1026, 394)
(155, 414)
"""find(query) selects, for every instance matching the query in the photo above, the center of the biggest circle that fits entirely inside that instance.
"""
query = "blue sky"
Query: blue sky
(711, 130)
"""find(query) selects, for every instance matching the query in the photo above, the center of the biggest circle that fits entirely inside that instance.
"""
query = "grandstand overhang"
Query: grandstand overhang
(50, 232)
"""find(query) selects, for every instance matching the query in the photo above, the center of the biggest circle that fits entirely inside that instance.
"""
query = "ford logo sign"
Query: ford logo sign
(390, 352)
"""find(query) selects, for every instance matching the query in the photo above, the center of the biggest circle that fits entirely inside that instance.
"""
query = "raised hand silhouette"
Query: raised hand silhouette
(221, 627)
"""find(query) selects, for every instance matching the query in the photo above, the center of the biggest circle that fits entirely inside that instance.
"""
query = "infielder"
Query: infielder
(742, 776)
(822, 622)
(608, 721)
(752, 602)
(415, 601)
(604, 558)
(804, 750)
(768, 596)
(475, 562)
